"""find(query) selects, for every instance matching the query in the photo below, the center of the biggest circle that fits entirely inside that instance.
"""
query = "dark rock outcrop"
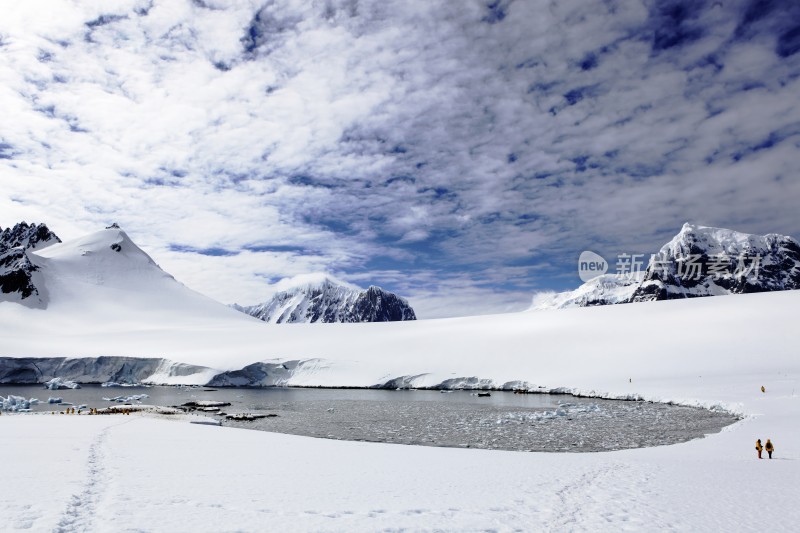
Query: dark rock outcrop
(702, 261)
(16, 268)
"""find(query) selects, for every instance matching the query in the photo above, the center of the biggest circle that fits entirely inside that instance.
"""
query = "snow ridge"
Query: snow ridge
(327, 300)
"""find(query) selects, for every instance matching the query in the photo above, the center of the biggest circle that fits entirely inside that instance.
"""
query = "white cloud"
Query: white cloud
(450, 141)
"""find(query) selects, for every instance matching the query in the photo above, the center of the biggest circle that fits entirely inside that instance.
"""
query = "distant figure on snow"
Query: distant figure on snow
(759, 448)
(769, 447)
(763, 389)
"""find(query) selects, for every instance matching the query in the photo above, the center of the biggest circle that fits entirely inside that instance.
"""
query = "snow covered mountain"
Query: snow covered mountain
(703, 261)
(96, 277)
(698, 261)
(328, 300)
(16, 269)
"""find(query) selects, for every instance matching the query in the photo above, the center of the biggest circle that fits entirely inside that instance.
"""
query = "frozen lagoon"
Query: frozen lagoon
(502, 421)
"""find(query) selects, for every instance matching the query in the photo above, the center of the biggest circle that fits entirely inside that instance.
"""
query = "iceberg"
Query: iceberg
(16, 404)
(60, 383)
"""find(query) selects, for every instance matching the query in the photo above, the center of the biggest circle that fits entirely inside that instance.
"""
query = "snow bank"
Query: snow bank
(110, 371)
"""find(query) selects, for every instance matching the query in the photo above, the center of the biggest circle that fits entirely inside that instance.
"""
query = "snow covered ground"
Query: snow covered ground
(139, 474)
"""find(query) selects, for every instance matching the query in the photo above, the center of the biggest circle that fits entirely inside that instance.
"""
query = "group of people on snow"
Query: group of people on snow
(768, 447)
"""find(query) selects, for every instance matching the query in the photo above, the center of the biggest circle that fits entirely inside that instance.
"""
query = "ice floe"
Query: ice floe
(61, 383)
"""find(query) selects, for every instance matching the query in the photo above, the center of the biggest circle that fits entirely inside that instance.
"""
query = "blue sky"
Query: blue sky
(462, 154)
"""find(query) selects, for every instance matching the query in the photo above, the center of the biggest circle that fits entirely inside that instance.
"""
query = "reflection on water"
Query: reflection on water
(505, 421)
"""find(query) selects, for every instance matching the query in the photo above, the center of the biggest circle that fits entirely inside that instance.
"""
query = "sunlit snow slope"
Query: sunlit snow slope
(104, 278)
(101, 295)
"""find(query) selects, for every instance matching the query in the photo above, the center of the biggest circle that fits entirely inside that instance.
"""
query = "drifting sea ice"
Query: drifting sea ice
(564, 409)
(575, 426)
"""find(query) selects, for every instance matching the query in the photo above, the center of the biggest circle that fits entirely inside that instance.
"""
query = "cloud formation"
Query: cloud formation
(461, 154)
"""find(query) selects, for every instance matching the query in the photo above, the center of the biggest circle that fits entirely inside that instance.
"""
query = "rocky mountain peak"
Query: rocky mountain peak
(327, 300)
(698, 261)
(16, 268)
(707, 261)
(25, 236)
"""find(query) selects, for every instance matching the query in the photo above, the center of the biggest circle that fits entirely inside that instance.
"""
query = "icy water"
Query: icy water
(503, 421)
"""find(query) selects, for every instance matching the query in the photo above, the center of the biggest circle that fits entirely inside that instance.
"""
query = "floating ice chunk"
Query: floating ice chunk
(61, 383)
(205, 403)
(127, 399)
(17, 404)
(248, 417)
(207, 422)
(54, 400)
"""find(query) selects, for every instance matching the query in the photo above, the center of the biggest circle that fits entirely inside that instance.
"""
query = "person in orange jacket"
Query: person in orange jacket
(769, 447)
(759, 447)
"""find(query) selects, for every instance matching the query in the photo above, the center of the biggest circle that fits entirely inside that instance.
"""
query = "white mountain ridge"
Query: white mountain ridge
(768, 263)
(326, 299)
